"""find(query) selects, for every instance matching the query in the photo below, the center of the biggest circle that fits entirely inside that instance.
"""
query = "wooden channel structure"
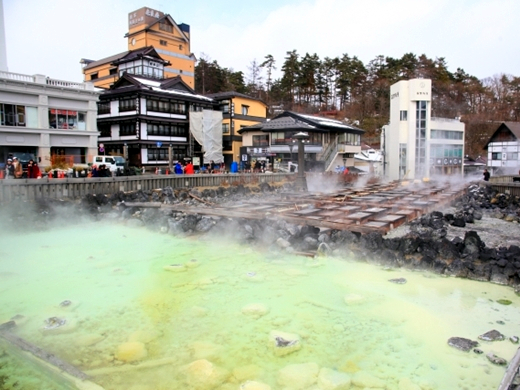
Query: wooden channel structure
(373, 208)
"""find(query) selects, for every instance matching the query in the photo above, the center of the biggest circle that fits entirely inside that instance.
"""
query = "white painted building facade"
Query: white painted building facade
(415, 144)
(47, 118)
(503, 149)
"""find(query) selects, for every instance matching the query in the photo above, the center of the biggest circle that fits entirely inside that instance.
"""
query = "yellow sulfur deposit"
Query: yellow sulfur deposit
(131, 351)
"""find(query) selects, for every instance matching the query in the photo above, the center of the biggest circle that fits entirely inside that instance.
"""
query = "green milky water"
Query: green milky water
(349, 316)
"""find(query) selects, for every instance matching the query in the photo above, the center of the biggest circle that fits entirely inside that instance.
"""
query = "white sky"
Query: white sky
(480, 36)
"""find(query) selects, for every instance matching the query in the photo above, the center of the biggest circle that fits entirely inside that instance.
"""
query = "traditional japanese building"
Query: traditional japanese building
(416, 145)
(153, 122)
(330, 142)
(147, 28)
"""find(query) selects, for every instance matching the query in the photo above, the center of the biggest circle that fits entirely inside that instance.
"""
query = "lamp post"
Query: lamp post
(301, 183)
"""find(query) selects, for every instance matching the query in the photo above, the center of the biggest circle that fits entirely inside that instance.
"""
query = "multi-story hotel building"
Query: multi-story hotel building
(415, 144)
(147, 28)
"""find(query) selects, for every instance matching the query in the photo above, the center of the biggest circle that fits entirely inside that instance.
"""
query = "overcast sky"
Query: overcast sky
(480, 36)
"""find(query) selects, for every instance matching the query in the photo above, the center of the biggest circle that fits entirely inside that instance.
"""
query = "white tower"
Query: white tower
(3, 51)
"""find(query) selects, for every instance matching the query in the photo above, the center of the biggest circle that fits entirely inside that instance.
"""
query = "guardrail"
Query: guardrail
(76, 188)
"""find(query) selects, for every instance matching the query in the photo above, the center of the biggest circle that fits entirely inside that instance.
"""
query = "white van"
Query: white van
(109, 161)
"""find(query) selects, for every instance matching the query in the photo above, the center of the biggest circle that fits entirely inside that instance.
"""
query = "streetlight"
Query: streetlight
(301, 183)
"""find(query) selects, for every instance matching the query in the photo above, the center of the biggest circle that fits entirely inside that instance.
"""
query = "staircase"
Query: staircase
(330, 153)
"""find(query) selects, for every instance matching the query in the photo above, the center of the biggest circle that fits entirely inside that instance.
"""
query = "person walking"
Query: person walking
(486, 175)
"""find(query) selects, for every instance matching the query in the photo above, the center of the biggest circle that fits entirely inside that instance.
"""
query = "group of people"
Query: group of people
(14, 169)
(101, 171)
(187, 169)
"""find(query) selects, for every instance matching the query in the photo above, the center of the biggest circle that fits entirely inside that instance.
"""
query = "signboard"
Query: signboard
(159, 144)
(196, 161)
(101, 148)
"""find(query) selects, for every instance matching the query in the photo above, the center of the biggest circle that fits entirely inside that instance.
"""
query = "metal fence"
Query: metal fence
(75, 188)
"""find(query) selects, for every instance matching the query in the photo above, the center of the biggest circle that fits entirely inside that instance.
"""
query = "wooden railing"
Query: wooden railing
(76, 188)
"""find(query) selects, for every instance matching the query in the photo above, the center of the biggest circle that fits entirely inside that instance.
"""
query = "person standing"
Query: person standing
(178, 169)
(486, 175)
(18, 169)
(9, 169)
(33, 171)
(189, 169)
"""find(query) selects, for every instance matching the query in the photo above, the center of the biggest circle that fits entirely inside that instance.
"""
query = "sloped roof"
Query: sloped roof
(289, 120)
(232, 94)
(513, 127)
(148, 51)
(105, 60)
(173, 86)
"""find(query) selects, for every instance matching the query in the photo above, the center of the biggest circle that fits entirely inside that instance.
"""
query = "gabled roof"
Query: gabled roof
(512, 127)
(174, 87)
(232, 94)
(288, 120)
(167, 17)
(144, 52)
(175, 25)
(105, 60)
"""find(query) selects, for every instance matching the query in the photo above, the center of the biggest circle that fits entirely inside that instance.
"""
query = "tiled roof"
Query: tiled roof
(106, 60)
(293, 121)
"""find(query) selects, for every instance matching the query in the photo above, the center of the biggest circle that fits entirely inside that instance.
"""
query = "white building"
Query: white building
(504, 148)
(415, 144)
(48, 119)
(3, 50)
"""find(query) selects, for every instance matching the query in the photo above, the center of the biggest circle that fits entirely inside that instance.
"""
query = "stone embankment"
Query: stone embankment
(448, 243)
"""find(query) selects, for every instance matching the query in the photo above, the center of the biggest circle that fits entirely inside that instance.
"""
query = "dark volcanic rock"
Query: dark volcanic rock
(463, 344)
(492, 335)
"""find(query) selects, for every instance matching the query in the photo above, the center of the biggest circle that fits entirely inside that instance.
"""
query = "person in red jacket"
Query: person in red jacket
(189, 170)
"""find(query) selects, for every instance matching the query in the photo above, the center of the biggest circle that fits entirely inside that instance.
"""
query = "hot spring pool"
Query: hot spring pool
(209, 321)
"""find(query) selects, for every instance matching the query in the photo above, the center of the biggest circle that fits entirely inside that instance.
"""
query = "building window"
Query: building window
(496, 156)
(103, 108)
(166, 27)
(225, 128)
(161, 154)
(224, 106)
(404, 115)
(13, 115)
(167, 130)
(94, 76)
(127, 105)
(167, 106)
(67, 119)
(513, 156)
(127, 129)
(446, 134)
(402, 160)
(420, 138)
(112, 71)
(245, 109)
(105, 130)
(260, 141)
(163, 42)
(180, 47)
